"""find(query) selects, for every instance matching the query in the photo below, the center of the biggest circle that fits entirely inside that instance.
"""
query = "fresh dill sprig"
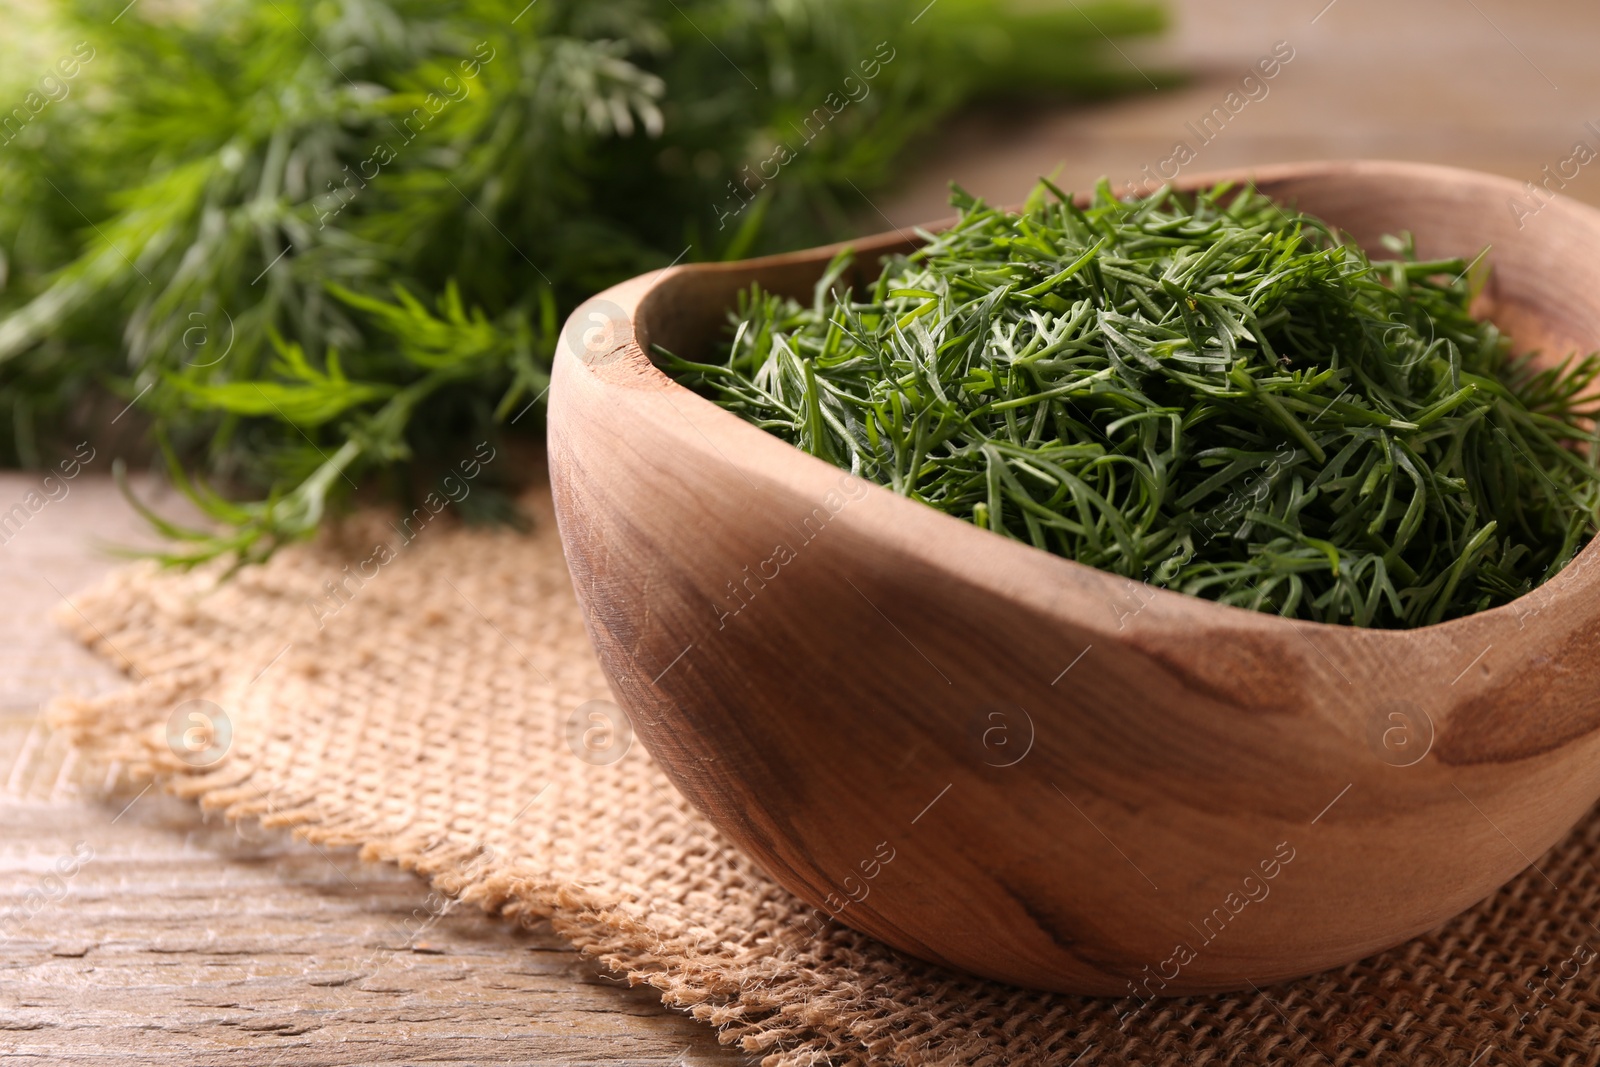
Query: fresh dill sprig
(327, 243)
(1213, 394)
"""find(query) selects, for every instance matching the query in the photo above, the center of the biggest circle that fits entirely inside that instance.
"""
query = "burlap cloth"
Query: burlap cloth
(429, 721)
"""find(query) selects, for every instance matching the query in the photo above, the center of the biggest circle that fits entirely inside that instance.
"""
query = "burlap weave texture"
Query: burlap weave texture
(426, 715)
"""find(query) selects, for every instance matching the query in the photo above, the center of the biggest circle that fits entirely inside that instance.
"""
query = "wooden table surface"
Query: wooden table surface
(185, 941)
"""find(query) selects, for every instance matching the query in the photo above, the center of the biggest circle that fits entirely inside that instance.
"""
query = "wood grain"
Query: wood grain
(818, 629)
(181, 942)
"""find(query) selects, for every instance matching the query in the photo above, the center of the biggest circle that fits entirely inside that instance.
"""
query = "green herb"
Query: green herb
(1213, 394)
(324, 243)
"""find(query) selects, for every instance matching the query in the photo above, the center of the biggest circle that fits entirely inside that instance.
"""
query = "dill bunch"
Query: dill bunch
(328, 244)
(1212, 394)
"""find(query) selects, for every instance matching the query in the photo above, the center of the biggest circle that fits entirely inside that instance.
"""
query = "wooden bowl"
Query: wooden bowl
(1008, 763)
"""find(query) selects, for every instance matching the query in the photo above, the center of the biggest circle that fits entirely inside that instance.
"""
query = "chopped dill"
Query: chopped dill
(1212, 394)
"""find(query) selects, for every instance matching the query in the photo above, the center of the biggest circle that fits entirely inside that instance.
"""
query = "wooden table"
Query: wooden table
(186, 942)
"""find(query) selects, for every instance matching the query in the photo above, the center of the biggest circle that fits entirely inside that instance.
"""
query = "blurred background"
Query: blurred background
(1500, 86)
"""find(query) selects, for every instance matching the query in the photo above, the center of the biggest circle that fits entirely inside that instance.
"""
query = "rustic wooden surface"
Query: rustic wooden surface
(187, 942)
